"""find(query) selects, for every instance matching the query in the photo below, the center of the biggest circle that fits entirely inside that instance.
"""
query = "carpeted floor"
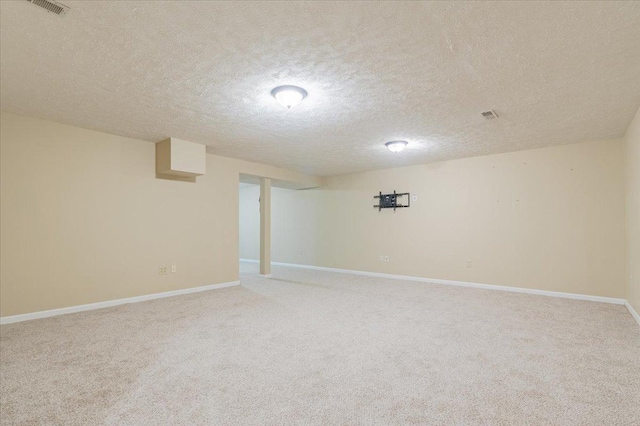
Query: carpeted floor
(310, 348)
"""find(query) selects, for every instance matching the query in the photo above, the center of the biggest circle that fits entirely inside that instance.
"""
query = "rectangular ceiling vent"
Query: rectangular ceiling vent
(490, 115)
(51, 6)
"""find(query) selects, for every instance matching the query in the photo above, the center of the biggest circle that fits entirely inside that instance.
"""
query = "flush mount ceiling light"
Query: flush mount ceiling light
(289, 96)
(396, 146)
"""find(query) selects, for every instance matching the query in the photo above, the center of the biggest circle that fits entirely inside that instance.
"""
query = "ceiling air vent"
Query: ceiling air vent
(490, 115)
(51, 6)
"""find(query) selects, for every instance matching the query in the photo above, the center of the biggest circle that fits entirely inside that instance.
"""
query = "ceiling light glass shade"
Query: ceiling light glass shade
(289, 96)
(396, 146)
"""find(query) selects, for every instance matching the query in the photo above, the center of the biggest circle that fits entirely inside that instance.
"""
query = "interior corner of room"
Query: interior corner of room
(549, 219)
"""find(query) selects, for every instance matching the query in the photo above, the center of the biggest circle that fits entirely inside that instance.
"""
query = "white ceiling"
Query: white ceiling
(556, 73)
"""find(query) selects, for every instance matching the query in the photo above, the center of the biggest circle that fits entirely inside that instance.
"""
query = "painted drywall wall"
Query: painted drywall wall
(549, 219)
(249, 222)
(632, 188)
(296, 221)
(83, 218)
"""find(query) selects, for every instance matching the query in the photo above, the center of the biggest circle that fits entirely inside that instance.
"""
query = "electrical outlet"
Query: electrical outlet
(163, 270)
(469, 263)
(381, 258)
(174, 269)
(386, 258)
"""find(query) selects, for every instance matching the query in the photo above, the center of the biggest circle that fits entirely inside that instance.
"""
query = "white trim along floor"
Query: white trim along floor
(323, 348)
(615, 301)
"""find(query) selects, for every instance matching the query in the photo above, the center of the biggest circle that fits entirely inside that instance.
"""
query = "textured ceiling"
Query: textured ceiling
(555, 72)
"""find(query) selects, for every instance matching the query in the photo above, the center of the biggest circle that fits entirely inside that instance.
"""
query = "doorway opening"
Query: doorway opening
(249, 225)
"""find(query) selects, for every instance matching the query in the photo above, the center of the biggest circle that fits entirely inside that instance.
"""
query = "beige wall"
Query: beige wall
(550, 219)
(632, 180)
(84, 219)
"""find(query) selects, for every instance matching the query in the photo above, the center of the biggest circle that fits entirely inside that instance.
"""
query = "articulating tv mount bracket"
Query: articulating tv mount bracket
(390, 201)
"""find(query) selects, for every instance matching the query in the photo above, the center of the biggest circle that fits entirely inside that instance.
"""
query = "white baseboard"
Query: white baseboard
(456, 283)
(257, 261)
(109, 303)
(633, 312)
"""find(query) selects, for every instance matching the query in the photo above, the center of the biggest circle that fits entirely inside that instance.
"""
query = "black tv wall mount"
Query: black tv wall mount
(390, 201)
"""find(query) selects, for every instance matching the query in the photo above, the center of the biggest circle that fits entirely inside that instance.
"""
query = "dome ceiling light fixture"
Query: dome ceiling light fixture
(396, 146)
(289, 96)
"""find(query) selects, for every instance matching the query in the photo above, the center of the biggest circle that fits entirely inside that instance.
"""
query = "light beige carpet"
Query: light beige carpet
(315, 348)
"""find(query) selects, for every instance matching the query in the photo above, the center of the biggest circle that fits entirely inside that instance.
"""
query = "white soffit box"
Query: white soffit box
(180, 158)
